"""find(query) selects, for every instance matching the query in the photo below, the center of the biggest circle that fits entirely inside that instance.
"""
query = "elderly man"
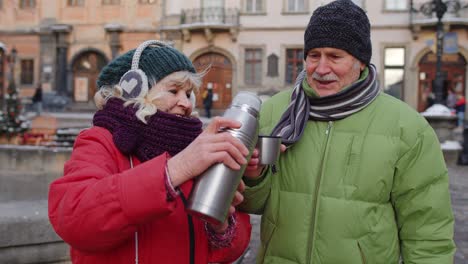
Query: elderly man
(363, 179)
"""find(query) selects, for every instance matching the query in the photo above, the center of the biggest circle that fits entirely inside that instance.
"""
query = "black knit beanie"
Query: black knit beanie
(157, 62)
(340, 24)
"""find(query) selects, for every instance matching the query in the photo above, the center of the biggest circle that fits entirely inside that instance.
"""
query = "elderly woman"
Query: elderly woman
(123, 193)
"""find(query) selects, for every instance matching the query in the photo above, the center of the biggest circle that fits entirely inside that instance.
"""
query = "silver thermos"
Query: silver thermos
(214, 190)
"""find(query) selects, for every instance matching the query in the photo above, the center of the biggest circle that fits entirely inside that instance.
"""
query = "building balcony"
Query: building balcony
(208, 21)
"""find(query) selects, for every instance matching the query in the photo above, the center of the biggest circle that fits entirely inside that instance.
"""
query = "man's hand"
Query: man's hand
(254, 168)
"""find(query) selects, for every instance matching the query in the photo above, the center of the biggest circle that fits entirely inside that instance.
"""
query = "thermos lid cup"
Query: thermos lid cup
(269, 149)
(248, 98)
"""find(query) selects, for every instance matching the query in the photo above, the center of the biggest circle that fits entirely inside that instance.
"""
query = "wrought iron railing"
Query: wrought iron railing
(210, 15)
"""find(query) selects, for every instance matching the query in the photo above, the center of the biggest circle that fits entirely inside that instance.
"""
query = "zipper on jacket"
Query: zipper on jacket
(317, 190)
(191, 230)
(328, 128)
(363, 256)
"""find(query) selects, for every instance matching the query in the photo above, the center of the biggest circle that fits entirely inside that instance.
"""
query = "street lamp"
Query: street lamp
(439, 8)
(2, 89)
(11, 89)
(12, 61)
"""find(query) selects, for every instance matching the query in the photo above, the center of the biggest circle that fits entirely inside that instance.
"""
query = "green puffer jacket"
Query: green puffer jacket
(365, 189)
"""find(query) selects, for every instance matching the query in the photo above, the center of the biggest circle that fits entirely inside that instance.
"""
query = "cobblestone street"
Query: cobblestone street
(459, 191)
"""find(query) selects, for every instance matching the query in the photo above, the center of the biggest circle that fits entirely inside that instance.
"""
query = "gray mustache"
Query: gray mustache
(325, 78)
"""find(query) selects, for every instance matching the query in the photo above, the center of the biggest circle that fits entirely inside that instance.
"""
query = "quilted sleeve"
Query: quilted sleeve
(421, 200)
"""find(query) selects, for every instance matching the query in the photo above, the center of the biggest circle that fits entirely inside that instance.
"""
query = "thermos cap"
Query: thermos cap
(248, 98)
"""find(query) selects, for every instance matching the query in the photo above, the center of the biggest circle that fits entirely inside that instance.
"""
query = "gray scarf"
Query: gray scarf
(328, 108)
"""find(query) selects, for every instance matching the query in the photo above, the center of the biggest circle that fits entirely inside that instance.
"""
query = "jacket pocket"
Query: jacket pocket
(266, 232)
(361, 251)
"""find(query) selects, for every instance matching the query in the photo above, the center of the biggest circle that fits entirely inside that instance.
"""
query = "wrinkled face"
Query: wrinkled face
(172, 97)
(329, 70)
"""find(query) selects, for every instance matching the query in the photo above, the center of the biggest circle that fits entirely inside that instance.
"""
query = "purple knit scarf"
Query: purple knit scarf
(163, 131)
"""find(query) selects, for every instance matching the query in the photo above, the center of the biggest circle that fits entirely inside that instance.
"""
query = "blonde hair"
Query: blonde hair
(144, 104)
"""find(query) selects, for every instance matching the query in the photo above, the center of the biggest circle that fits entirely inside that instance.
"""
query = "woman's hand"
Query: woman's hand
(208, 148)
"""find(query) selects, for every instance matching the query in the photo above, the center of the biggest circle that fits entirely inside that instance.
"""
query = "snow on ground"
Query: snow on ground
(451, 145)
(438, 110)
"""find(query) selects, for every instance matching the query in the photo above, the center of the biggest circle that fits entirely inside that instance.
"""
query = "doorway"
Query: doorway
(453, 70)
(86, 68)
(218, 78)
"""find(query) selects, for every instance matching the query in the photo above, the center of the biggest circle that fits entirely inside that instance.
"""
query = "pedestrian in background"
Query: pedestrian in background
(123, 193)
(460, 107)
(208, 101)
(37, 100)
(451, 99)
(363, 178)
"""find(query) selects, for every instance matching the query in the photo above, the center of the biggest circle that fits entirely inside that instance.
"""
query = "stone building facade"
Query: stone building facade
(254, 45)
(63, 44)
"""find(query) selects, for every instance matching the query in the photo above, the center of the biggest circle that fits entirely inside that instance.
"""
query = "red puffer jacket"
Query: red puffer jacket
(100, 202)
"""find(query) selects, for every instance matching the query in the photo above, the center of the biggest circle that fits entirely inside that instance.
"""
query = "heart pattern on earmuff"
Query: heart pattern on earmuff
(129, 86)
(134, 83)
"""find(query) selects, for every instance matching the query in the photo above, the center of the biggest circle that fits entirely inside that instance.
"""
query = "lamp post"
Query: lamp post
(442, 123)
(2, 70)
(439, 7)
(12, 61)
(11, 89)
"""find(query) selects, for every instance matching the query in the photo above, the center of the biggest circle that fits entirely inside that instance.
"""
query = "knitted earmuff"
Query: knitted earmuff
(134, 83)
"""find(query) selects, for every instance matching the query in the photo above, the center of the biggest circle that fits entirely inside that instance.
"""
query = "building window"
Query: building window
(147, 1)
(212, 11)
(394, 64)
(27, 71)
(358, 3)
(294, 64)
(253, 66)
(213, 3)
(396, 5)
(75, 2)
(272, 65)
(111, 2)
(27, 4)
(295, 6)
(254, 6)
